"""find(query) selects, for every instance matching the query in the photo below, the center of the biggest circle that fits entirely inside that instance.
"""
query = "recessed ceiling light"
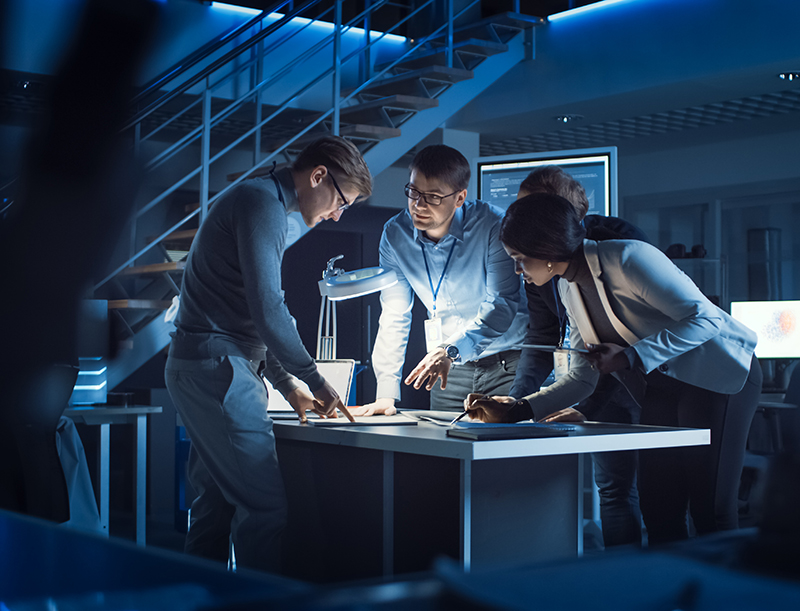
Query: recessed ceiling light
(568, 118)
(794, 75)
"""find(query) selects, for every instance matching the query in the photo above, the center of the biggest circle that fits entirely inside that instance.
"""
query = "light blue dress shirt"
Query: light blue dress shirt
(481, 301)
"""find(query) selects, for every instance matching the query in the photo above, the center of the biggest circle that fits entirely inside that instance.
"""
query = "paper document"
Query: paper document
(396, 420)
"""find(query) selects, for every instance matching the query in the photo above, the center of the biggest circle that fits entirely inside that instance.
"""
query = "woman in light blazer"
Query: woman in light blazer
(685, 361)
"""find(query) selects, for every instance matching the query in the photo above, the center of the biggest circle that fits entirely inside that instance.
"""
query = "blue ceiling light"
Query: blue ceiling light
(235, 9)
(325, 25)
(584, 9)
(793, 75)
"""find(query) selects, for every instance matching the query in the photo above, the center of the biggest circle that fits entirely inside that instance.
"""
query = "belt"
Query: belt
(500, 357)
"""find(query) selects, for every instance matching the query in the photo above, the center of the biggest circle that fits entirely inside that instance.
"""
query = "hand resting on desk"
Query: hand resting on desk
(383, 407)
(567, 414)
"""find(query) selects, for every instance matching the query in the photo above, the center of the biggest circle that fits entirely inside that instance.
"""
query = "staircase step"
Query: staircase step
(513, 22)
(411, 82)
(385, 109)
(177, 239)
(154, 269)
(139, 304)
(438, 55)
(354, 131)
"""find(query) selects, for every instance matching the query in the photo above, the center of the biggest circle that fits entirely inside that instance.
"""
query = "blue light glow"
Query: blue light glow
(301, 21)
(585, 9)
(235, 9)
(87, 387)
(92, 373)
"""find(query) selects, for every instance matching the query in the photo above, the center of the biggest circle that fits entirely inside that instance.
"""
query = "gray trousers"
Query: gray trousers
(491, 375)
(233, 465)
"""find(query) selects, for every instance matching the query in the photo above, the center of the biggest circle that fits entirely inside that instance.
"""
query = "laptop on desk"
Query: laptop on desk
(338, 372)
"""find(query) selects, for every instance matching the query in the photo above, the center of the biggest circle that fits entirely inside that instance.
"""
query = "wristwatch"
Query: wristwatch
(451, 351)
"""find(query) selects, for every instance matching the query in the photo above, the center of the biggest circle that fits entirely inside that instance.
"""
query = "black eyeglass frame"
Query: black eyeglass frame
(424, 196)
(346, 205)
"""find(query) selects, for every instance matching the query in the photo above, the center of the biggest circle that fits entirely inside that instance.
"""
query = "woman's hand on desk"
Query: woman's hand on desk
(565, 415)
(384, 407)
(488, 409)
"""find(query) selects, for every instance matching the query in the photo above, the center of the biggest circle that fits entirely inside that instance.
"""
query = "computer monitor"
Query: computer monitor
(777, 324)
(499, 177)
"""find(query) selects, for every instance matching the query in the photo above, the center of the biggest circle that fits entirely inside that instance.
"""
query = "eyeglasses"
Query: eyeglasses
(345, 205)
(429, 198)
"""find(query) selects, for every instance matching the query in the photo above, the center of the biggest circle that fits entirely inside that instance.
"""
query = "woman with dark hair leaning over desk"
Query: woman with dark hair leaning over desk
(685, 361)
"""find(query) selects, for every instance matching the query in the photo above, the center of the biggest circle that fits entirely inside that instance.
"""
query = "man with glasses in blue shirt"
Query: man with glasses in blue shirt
(446, 251)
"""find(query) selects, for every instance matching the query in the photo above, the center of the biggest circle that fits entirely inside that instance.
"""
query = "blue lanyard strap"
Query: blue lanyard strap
(444, 269)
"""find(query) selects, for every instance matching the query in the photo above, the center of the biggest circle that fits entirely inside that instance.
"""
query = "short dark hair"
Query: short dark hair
(552, 179)
(342, 158)
(442, 162)
(543, 226)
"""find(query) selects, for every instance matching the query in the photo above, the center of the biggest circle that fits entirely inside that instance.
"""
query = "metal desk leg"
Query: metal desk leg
(580, 503)
(105, 431)
(388, 513)
(141, 477)
(466, 515)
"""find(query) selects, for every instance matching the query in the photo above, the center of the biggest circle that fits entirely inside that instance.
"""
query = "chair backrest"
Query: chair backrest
(793, 388)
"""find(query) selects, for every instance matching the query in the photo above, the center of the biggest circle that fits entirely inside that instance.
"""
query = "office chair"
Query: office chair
(783, 418)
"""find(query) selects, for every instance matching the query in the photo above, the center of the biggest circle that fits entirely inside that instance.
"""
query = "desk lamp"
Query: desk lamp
(337, 285)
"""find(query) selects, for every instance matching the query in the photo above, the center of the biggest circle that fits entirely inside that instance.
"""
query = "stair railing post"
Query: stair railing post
(258, 71)
(137, 149)
(449, 33)
(366, 70)
(205, 148)
(337, 66)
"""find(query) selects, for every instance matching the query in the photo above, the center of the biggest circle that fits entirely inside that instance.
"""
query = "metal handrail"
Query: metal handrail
(202, 53)
(209, 121)
(219, 63)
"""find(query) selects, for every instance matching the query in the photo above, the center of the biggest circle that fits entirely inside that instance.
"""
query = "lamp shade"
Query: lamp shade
(347, 285)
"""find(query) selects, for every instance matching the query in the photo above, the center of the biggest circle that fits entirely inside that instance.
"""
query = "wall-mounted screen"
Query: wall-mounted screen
(777, 324)
(499, 177)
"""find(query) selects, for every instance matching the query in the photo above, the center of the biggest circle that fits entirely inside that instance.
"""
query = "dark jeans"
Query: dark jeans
(704, 479)
(233, 464)
(491, 375)
(615, 472)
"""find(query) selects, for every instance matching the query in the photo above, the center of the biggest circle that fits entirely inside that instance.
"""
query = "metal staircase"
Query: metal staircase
(254, 97)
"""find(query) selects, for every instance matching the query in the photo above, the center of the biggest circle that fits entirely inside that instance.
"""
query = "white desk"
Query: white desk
(402, 495)
(104, 417)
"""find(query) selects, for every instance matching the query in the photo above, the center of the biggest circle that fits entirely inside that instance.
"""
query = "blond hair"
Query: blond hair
(342, 158)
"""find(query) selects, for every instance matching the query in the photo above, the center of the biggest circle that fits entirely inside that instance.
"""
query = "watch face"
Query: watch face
(452, 352)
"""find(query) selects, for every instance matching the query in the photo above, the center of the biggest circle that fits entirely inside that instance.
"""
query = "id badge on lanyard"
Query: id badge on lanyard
(433, 333)
(433, 326)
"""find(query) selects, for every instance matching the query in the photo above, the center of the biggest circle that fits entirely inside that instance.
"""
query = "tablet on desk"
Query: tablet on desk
(510, 431)
(380, 420)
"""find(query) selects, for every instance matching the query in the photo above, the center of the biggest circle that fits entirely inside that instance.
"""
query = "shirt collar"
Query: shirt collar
(290, 199)
(456, 226)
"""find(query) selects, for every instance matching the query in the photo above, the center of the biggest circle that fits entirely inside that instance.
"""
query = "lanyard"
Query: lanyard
(444, 269)
(562, 316)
